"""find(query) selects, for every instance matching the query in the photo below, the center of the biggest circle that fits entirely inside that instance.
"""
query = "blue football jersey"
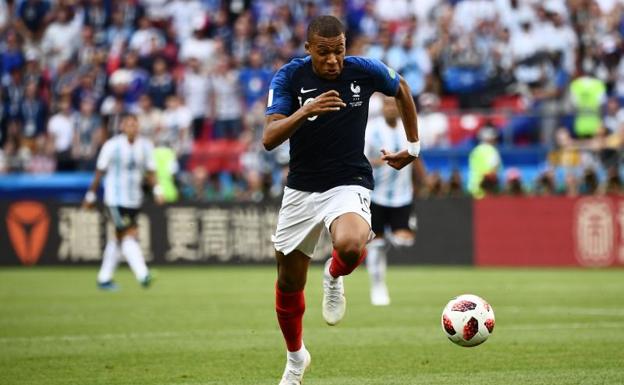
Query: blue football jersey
(328, 150)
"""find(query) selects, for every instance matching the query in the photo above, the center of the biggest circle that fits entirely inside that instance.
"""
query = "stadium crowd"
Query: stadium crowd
(196, 72)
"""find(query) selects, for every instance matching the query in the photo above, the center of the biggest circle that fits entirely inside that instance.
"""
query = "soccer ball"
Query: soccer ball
(468, 320)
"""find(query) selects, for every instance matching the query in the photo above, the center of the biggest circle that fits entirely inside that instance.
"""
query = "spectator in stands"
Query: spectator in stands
(42, 160)
(587, 94)
(146, 40)
(513, 182)
(61, 39)
(614, 185)
(196, 91)
(180, 12)
(33, 112)
(590, 183)
(61, 132)
(11, 54)
(435, 133)
(33, 18)
(228, 100)
(455, 184)
(545, 184)
(176, 129)
(484, 161)
(87, 138)
(255, 79)
(161, 84)
(149, 117)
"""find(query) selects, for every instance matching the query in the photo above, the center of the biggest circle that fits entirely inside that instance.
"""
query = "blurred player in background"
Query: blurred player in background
(320, 104)
(124, 159)
(392, 198)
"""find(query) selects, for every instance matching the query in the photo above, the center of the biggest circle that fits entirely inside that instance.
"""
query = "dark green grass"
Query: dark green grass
(214, 325)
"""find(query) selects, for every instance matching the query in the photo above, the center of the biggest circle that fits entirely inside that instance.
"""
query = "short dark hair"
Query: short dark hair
(325, 26)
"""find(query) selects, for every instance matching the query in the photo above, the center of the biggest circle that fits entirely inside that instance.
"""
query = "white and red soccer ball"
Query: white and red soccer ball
(468, 320)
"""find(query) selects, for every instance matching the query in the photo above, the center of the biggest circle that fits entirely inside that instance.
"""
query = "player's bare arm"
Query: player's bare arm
(407, 110)
(91, 195)
(278, 128)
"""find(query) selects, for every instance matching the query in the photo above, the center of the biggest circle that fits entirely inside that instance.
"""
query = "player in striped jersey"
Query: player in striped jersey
(392, 198)
(124, 160)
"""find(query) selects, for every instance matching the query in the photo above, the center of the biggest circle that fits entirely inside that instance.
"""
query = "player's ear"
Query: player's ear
(307, 47)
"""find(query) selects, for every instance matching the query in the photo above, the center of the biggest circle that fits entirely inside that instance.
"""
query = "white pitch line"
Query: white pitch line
(142, 335)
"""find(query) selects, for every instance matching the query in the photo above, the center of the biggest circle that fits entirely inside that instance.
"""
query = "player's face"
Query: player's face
(131, 127)
(327, 55)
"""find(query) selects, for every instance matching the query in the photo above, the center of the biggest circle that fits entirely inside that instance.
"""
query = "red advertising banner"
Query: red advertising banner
(549, 231)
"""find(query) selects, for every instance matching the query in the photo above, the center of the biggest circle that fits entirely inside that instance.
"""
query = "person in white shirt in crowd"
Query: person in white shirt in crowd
(61, 131)
(195, 89)
(437, 133)
(180, 12)
(228, 100)
(125, 160)
(146, 40)
(150, 118)
(176, 129)
(200, 46)
(61, 38)
(392, 198)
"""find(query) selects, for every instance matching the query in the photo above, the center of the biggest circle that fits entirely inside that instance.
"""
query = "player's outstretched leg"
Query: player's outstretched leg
(376, 265)
(110, 259)
(290, 307)
(134, 256)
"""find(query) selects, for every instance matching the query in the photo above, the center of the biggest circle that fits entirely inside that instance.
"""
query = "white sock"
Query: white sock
(296, 357)
(376, 261)
(134, 256)
(110, 259)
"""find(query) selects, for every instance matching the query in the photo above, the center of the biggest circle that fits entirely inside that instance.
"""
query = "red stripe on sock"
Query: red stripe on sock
(338, 268)
(290, 308)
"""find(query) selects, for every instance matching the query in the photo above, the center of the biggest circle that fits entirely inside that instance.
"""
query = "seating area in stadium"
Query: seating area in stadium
(197, 72)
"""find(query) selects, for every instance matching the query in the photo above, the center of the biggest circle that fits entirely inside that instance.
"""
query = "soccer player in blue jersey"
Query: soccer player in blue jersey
(320, 104)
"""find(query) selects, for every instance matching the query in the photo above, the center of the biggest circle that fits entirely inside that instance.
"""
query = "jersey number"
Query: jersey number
(365, 204)
(302, 103)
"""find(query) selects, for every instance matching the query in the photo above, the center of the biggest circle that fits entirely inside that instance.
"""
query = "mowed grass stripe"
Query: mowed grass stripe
(216, 325)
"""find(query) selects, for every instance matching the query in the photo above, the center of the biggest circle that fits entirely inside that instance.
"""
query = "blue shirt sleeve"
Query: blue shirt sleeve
(279, 100)
(385, 79)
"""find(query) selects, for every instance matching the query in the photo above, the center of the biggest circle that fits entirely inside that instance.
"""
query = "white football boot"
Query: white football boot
(294, 371)
(334, 301)
(379, 294)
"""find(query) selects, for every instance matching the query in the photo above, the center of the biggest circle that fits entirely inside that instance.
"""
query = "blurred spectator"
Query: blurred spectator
(87, 136)
(255, 79)
(181, 12)
(484, 164)
(33, 17)
(146, 40)
(42, 160)
(61, 39)
(167, 169)
(587, 94)
(545, 184)
(150, 118)
(227, 99)
(195, 88)
(513, 182)
(176, 129)
(434, 125)
(61, 132)
(590, 183)
(614, 184)
(161, 84)
(33, 112)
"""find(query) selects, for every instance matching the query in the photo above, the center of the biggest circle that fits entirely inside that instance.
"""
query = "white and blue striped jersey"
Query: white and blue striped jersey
(393, 188)
(124, 164)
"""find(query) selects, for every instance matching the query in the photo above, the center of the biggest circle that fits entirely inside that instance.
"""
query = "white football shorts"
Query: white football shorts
(303, 214)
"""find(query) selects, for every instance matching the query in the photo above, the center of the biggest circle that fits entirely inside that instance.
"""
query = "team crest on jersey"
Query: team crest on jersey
(355, 89)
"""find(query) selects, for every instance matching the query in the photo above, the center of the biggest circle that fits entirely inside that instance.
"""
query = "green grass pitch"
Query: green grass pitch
(216, 325)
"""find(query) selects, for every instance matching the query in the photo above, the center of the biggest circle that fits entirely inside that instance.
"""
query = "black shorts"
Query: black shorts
(395, 217)
(123, 218)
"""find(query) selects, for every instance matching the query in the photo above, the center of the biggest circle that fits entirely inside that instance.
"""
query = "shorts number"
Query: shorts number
(365, 203)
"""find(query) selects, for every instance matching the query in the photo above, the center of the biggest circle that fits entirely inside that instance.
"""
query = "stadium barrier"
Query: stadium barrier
(47, 233)
(501, 231)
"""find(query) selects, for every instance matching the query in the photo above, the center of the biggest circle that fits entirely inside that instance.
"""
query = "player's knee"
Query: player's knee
(349, 250)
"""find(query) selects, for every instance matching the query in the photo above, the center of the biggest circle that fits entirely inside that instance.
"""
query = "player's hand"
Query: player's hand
(326, 102)
(87, 205)
(397, 160)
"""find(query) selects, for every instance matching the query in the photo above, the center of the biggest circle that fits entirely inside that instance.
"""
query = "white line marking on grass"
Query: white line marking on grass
(225, 333)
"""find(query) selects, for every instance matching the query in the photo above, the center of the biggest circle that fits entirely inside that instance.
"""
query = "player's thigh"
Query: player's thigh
(379, 218)
(398, 218)
(297, 224)
(346, 213)
(292, 270)
(124, 220)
